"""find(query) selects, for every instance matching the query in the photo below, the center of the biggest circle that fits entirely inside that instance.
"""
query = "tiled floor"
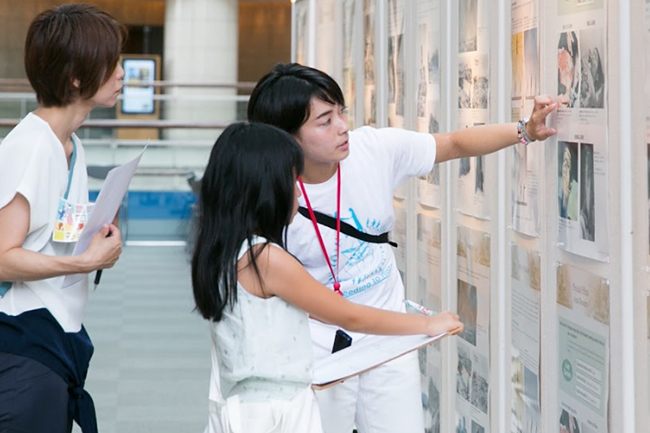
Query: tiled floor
(151, 366)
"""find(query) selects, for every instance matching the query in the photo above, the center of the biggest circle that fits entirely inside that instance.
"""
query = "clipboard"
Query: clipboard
(371, 352)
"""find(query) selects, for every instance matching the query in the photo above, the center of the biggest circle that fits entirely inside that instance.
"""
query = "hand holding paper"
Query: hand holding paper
(105, 247)
(106, 207)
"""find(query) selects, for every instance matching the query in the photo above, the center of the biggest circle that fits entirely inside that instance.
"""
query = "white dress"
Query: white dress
(261, 367)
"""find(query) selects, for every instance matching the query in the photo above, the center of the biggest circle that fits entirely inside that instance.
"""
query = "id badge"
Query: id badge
(71, 219)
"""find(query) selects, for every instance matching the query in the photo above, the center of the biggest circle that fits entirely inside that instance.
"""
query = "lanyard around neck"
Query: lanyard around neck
(73, 159)
(337, 285)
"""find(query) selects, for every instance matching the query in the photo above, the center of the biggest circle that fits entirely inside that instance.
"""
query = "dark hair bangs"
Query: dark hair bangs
(283, 97)
(73, 41)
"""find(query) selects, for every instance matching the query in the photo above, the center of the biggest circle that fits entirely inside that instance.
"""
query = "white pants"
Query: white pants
(298, 415)
(387, 399)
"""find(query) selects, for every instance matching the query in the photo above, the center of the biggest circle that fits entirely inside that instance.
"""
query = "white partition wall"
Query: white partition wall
(543, 250)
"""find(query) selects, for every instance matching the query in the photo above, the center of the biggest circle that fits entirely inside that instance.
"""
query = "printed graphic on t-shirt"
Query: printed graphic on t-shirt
(71, 219)
(363, 265)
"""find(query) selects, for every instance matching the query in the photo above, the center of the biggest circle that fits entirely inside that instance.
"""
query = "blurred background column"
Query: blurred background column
(201, 46)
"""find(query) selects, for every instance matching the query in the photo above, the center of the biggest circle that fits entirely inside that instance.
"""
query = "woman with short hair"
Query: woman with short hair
(72, 62)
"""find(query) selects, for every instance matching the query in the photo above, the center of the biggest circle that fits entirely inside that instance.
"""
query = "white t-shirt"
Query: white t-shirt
(33, 163)
(380, 160)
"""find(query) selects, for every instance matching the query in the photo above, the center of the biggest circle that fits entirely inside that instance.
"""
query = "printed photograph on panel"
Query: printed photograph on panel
(396, 59)
(468, 25)
(432, 408)
(423, 72)
(395, 72)
(477, 428)
(517, 49)
(465, 166)
(370, 93)
(302, 10)
(464, 372)
(564, 290)
(568, 180)
(518, 404)
(421, 294)
(461, 423)
(519, 172)
(465, 84)
(587, 201)
(478, 182)
(434, 78)
(568, 423)
(433, 177)
(592, 69)
(531, 63)
(568, 73)
(349, 76)
(473, 83)
(531, 397)
(468, 311)
(480, 91)
(369, 42)
(480, 380)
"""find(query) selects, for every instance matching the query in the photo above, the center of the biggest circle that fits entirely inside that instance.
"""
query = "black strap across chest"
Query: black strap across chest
(346, 228)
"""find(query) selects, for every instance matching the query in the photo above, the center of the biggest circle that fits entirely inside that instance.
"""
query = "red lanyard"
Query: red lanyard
(337, 286)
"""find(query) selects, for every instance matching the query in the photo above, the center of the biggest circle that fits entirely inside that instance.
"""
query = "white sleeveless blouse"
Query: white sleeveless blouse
(263, 346)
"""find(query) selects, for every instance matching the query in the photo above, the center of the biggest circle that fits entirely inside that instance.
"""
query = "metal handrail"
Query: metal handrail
(23, 83)
(20, 96)
(124, 123)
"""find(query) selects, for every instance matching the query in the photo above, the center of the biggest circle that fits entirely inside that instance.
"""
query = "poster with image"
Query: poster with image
(525, 314)
(301, 15)
(326, 39)
(526, 160)
(396, 76)
(473, 307)
(468, 24)
(428, 91)
(429, 294)
(138, 99)
(370, 89)
(473, 196)
(582, 129)
(583, 351)
(349, 74)
(473, 101)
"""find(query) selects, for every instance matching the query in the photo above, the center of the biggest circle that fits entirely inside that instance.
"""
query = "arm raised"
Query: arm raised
(482, 140)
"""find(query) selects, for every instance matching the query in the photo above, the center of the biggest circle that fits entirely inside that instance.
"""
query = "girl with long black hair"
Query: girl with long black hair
(258, 297)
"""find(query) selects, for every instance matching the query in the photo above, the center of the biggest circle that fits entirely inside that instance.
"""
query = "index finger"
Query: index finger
(542, 100)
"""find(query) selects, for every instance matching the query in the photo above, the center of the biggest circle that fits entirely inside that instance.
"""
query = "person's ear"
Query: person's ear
(76, 83)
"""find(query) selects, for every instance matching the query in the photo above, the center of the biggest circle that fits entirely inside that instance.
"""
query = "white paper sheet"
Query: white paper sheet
(106, 207)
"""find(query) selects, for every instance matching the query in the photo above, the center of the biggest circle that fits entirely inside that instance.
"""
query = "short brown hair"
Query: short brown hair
(72, 41)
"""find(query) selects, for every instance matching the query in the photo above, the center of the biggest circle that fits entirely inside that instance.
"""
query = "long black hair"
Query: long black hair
(283, 97)
(247, 189)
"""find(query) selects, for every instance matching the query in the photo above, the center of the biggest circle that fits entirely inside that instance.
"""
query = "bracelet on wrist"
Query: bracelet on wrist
(522, 135)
